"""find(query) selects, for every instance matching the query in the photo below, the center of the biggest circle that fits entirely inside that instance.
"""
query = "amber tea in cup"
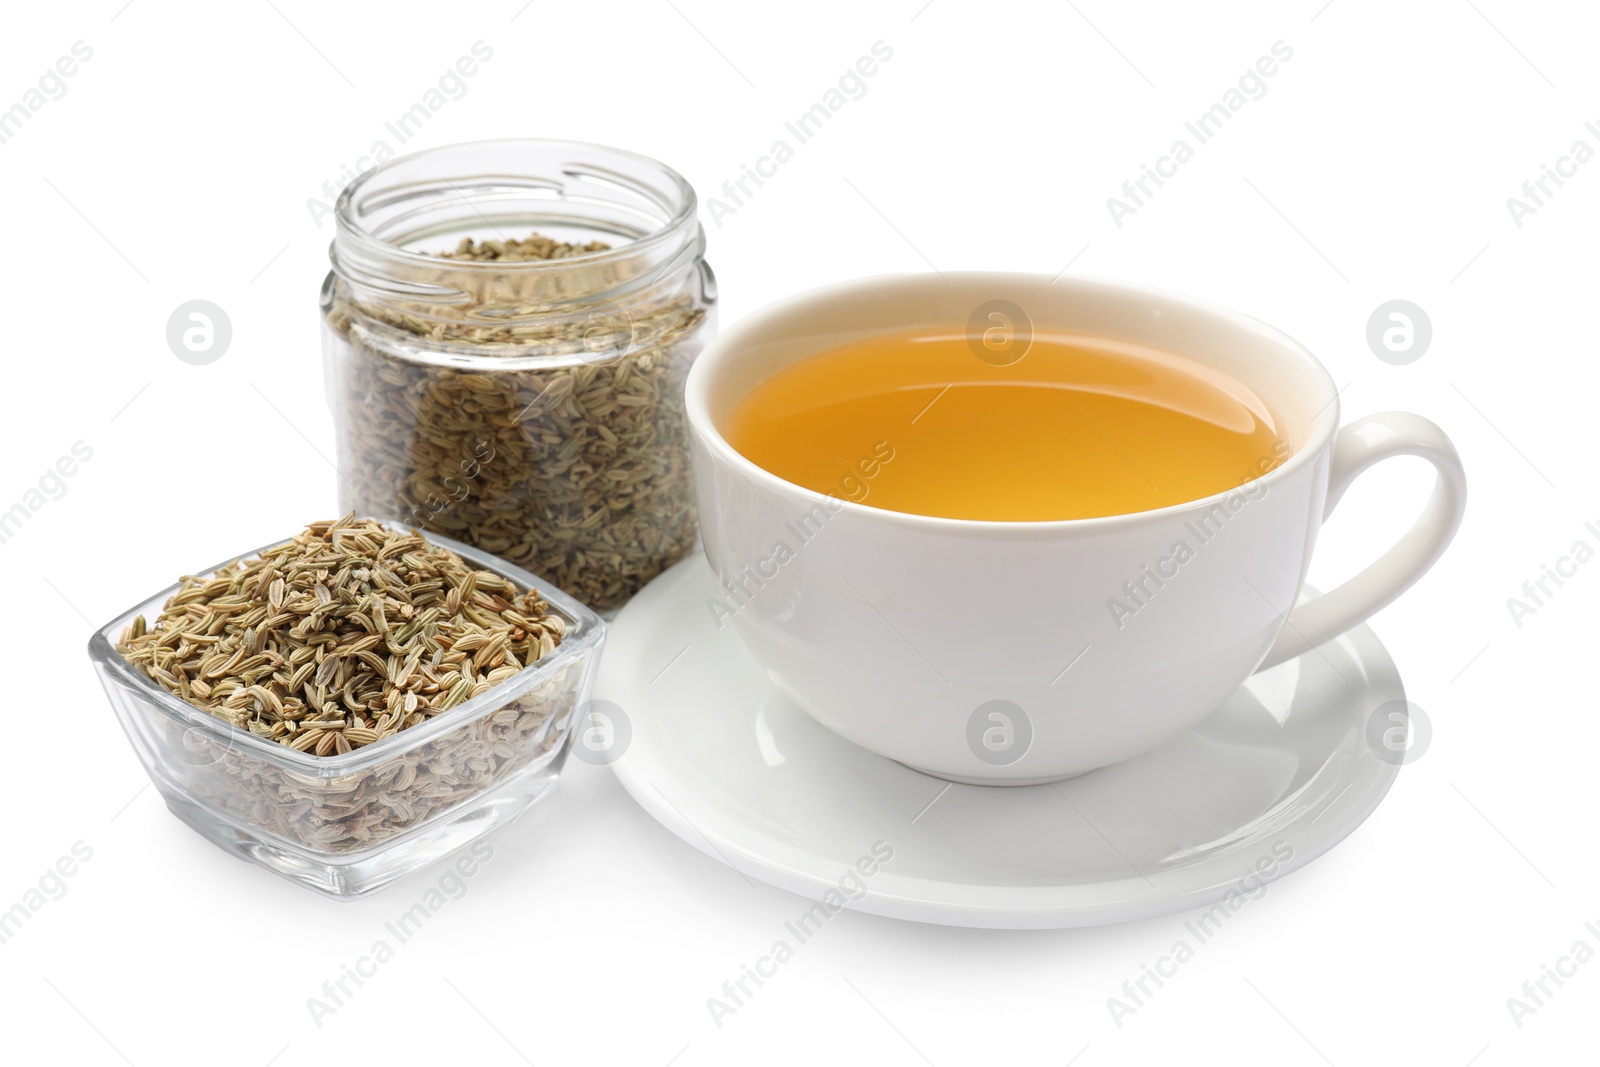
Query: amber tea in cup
(1079, 427)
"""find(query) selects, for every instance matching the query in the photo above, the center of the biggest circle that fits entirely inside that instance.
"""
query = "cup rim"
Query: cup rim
(1324, 422)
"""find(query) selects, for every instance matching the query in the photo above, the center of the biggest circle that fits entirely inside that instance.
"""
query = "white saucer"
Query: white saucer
(708, 746)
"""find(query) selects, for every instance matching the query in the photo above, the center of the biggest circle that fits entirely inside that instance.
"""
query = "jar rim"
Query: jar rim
(554, 185)
(348, 223)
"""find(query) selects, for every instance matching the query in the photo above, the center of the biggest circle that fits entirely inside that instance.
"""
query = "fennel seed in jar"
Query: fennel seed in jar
(578, 471)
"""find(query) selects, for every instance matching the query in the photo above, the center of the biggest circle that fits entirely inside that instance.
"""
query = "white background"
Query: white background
(178, 166)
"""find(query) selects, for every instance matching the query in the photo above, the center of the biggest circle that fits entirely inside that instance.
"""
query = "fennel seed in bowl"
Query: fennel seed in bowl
(341, 637)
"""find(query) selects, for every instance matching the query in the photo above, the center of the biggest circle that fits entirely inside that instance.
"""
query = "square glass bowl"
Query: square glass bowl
(349, 824)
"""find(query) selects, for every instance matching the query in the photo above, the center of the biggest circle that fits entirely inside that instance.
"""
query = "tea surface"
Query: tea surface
(1078, 427)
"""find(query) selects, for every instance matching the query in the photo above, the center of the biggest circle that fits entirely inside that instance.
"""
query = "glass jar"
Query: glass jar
(532, 408)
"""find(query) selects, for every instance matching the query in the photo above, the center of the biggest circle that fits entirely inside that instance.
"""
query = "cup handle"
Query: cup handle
(1358, 446)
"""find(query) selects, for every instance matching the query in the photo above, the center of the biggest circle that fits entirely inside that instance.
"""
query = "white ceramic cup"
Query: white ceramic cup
(994, 652)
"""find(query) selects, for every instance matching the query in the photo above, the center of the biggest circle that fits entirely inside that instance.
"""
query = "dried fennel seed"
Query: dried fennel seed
(534, 246)
(347, 634)
(579, 473)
